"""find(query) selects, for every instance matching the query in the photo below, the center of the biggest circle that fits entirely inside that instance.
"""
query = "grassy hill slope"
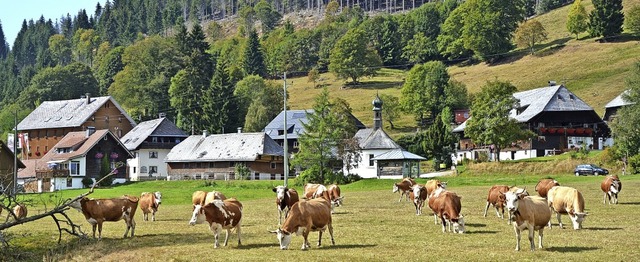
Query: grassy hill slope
(594, 71)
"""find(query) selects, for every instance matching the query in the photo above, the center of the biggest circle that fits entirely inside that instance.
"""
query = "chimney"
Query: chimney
(90, 130)
(239, 130)
(205, 133)
(162, 115)
(552, 83)
(88, 96)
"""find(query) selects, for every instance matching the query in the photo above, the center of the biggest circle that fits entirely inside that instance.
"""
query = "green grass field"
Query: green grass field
(371, 226)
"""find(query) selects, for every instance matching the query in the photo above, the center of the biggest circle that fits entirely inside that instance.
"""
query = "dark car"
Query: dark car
(590, 169)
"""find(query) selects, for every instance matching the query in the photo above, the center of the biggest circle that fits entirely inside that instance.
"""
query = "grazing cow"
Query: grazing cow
(305, 217)
(434, 184)
(220, 214)
(567, 200)
(149, 203)
(611, 186)
(496, 198)
(529, 212)
(404, 187)
(312, 191)
(285, 198)
(544, 185)
(96, 211)
(418, 195)
(447, 206)
(202, 198)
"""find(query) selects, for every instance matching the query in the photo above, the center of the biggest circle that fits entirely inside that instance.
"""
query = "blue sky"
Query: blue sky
(13, 12)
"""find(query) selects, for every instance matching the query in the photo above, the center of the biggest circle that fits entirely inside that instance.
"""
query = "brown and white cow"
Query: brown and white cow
(96, 211)
(496, 198)
(404, 187)
(305, 217)
(529, 212)
(544, 185)
(332, 193)
(567, 200)
(149, 203)
(447, 206)
(611, 186)
(220, 214)
(418, 196)
(285, 198)
(434, 184)
(202, 197)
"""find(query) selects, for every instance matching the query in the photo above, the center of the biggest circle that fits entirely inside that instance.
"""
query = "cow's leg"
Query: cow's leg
(238, 228)
(153, 215)
(559, 221)
(487, 208)
(331, 233)
(533, 246)
(93, 226)
(401, 195)
(540, 235)
(435, 218)
(128, 224)
(517, 238)
(319, 237)
(604, 198)
(99, 230)
(444, 225)
(305, 245)
(216, 233)
(498, 211)
(132, 224)
(226, 237)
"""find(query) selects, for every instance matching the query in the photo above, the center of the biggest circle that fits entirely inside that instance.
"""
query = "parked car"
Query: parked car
(590, 169)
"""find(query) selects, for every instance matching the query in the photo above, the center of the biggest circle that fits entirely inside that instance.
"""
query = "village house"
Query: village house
(150, 142)
(561, 120)
(78, 155)
(611, 110)
(52, 120)
(7, 165)
(296, 119)
(217, 157)
(380, 156)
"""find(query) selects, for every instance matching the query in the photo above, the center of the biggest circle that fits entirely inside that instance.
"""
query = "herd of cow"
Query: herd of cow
(532, 213)
(313, 211)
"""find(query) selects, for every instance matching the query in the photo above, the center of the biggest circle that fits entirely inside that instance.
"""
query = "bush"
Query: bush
(632, 20)
(634, 163)
(87, 182)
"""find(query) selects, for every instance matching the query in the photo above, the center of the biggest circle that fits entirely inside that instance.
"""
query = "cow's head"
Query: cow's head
(77, 205)
(577, 218)
(417, 189)
(458, 224)
(338, 201)
(280, 192)
(613, 189)
(198, 216)
(443, 185)
(511, 200)
(158, 196)
(522, 191)
(284, 238)
(395, 188)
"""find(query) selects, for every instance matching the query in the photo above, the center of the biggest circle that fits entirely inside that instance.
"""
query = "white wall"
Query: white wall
(363, 169)
(520, 154)
(142, 160)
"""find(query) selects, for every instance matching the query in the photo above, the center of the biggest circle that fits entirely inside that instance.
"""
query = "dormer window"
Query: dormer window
(572, 97)
(63, 150)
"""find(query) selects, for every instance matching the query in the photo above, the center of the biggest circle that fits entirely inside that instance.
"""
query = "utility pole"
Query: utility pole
(15, 153)
(286, 147)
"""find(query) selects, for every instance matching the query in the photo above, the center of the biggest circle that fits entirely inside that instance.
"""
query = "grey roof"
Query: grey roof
(397, 154)
(66, 113)
(618, 101)
(224, 147)
(547, 99)
(370, 138)
(295, 121)
(156, 127)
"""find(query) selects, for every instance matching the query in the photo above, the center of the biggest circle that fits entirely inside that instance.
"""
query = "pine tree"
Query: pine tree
(4, 47)
(219, 102)
(253, 59)
(606, 18)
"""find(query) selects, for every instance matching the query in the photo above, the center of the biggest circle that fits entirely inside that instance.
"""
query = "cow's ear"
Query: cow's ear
(273, 189)
(273, 231)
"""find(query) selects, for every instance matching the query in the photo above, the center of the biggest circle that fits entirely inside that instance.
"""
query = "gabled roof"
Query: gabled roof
(546, 99)
(224, 147)
(156, 127)
(619, 101)
(66, 113)
(76, 138)
(397, 154)
(370, 138)
(295, 120)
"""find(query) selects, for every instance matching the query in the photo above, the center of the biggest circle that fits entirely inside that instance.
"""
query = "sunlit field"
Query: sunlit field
(372, 225)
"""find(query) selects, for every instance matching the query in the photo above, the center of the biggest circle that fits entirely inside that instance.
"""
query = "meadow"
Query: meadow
(371, 226)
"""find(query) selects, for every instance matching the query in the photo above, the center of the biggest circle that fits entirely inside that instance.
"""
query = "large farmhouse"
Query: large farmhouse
(216, 156)
(52, 120)
(561, 120)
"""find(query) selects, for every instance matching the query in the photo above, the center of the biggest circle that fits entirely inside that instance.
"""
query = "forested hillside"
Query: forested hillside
(211, 64)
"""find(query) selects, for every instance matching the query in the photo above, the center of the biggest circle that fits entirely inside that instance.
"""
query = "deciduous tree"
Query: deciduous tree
(577, 19)
(631, 20)
(352, 58)
(423, 90)
(390, 109)
(529, 34)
